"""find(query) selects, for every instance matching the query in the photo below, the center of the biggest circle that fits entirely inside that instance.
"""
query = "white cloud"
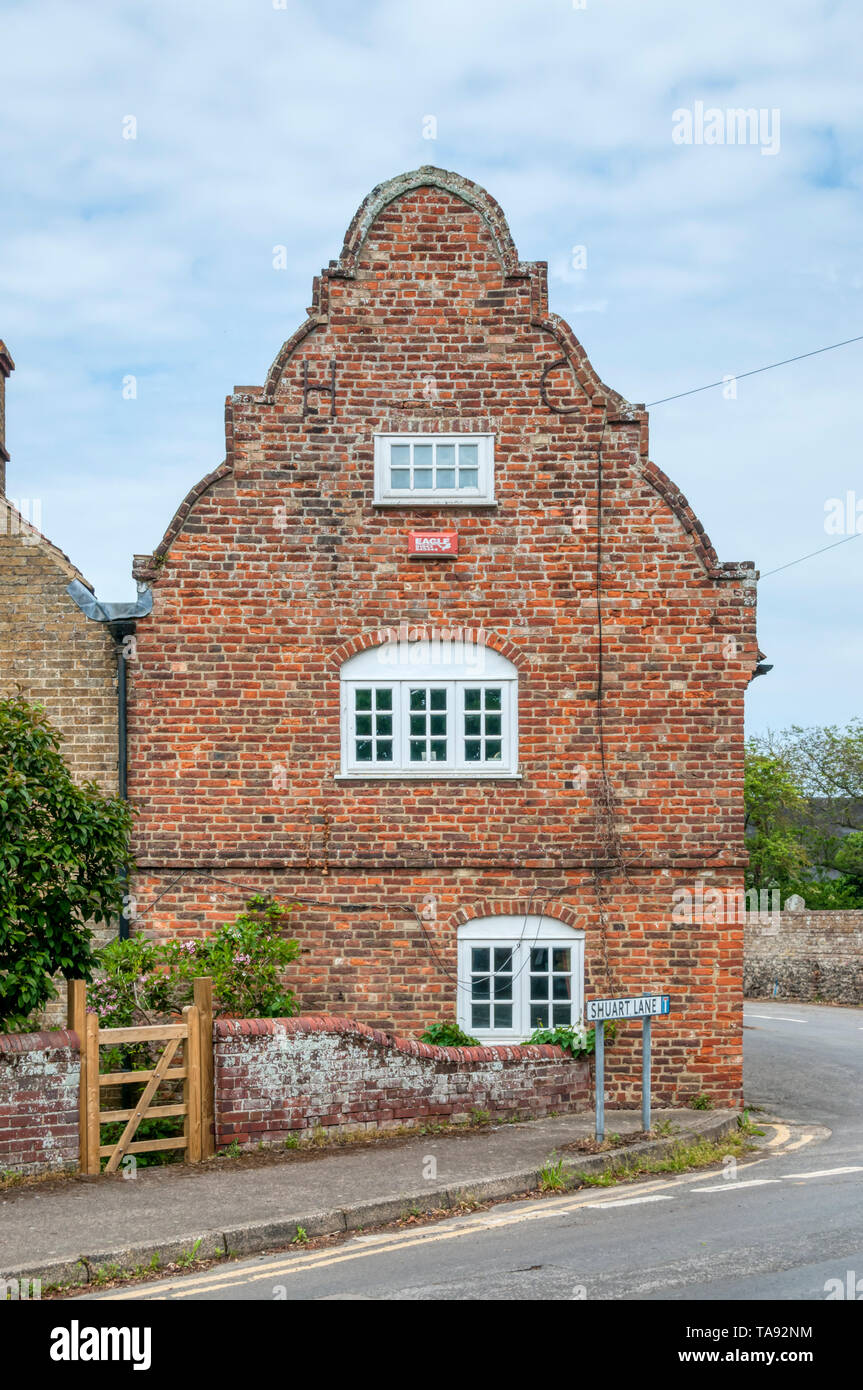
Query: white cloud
(258, 127)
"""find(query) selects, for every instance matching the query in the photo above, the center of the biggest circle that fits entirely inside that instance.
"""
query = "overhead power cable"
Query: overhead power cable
(739, 376)
(801, 558)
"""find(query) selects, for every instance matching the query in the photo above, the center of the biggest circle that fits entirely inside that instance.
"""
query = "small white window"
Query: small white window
(438, 707)
(453, 469)
(516, 974)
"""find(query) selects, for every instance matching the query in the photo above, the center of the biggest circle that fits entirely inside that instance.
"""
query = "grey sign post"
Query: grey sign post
(599, 1012)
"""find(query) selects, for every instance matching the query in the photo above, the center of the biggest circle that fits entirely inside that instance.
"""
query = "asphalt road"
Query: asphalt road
(780, 1227)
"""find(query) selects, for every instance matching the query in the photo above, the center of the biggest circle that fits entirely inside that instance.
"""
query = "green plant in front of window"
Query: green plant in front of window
(573, 1038)
(448, 1035)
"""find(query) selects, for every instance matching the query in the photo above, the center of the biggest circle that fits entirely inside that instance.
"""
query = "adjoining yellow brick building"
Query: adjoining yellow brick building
(49, 650)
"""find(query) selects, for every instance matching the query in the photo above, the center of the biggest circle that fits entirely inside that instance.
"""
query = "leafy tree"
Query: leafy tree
(848, 858)
(773, 803)
(63, 849)
(804, 787)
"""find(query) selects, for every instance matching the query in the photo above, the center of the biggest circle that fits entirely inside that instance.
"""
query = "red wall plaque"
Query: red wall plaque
(429, 544)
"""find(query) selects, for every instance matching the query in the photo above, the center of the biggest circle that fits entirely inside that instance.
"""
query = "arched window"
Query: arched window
(438, 707)
(516, 974)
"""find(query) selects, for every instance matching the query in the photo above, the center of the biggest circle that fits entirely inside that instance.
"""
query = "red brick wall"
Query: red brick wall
(276, 1077)
(38, 1101)
(279, 566)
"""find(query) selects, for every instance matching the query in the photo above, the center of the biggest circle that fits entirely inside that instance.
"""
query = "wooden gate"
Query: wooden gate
(193, 1067)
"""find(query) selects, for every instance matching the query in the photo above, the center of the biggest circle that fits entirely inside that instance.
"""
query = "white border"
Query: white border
(521, 933)
(386, 496)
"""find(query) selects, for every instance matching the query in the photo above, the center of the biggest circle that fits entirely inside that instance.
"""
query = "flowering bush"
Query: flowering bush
(141, 980)
(130, 987)
(246, 959)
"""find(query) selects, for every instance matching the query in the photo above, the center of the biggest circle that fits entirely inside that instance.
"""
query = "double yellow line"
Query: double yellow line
(361, 1247)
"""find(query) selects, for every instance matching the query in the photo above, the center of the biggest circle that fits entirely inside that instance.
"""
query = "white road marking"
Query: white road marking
(777, 1018)
(392, 1242)
(822, 1173)
(732, 1185)
(628, 1202)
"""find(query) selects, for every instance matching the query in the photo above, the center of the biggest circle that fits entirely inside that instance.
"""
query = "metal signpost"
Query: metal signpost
(599, 1012)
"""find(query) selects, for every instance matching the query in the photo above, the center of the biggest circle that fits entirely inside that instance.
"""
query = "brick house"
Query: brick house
(438, 652)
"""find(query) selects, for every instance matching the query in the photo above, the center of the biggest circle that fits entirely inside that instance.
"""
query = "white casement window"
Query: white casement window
(516, 974)
(439, 707)
(448, 469)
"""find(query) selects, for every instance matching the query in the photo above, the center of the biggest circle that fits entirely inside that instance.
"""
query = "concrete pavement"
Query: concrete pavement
(62, 1232)
(785, 1225)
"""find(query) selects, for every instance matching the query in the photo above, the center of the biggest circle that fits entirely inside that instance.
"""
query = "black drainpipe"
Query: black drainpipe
(121, 620)
(120, 629)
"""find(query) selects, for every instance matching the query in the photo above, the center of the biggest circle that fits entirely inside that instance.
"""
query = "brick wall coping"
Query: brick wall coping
(331, 1023)
(39, 1042)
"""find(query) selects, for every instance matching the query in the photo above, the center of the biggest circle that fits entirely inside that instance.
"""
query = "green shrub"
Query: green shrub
(140, 981)
(580, 1041)
(130, 984)
(245, 958)
(448, 1035)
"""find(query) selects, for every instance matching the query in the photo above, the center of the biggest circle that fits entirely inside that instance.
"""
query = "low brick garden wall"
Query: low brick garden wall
(278, 1077)
(38, 1101)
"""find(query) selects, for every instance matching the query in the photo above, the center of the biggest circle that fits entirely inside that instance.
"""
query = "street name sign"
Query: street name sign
(645, 1007)
(635, 1006)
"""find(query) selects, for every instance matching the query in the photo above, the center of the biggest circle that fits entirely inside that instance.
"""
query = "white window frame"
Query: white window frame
(453, 665)
(521, 935)
(480, 496)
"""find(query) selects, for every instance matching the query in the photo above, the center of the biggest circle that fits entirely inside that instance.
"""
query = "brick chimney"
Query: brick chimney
(7, 367)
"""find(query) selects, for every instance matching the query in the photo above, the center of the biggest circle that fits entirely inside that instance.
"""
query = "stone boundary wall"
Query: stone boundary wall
(805, 955)
(281, 1077)
(39, 1075)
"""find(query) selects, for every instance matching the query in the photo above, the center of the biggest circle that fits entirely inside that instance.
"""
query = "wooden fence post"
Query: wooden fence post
(91, 1031)
(76, 1019)
(203, 998)
(192, 1083)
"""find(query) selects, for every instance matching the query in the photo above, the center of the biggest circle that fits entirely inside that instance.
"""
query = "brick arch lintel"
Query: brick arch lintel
(418, 632)
(518, 907)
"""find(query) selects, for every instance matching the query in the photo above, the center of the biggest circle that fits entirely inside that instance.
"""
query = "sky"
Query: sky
(152, 156)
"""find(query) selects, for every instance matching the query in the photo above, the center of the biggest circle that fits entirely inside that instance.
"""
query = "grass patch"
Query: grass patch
(697, 1153)
(552, 1176)
(745, 1125)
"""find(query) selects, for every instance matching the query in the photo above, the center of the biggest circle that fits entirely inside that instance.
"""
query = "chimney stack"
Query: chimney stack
(7, 366)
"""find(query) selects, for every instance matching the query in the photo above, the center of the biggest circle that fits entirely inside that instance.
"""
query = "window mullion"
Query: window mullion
(452, 725)
(520, 993)
(402, 726)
